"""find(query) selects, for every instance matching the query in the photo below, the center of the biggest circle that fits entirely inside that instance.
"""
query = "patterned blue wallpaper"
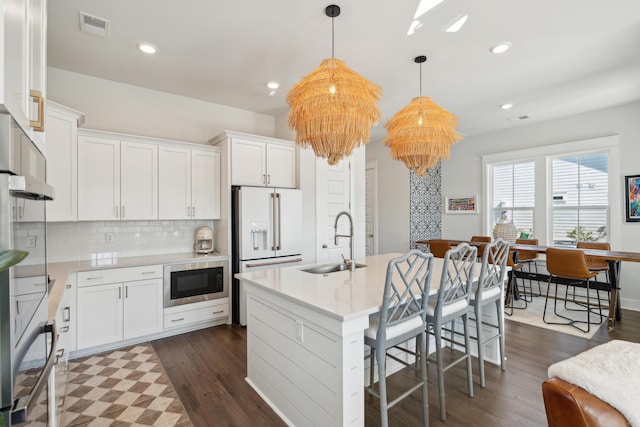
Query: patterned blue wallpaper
(425, 198)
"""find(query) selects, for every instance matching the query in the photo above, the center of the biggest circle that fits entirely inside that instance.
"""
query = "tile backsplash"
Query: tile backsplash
(73, 241)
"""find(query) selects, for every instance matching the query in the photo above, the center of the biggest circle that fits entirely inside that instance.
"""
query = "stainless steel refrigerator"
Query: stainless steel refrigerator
(266, 233)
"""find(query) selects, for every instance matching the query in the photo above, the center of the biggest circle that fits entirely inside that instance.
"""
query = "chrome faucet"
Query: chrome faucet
(349, 262)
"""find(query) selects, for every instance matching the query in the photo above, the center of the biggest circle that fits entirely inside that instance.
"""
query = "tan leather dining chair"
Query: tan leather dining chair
(513, 292)
(571, 265)
(529, 259)
(483, 239)
(595, 263)
(439, 247)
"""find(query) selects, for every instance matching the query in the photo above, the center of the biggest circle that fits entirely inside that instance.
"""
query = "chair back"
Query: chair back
(439, 247)
(569, 263)
(492, 272)
(457, 275)
(483, 239)
(406, 289)
(527, 255)
(595, 262)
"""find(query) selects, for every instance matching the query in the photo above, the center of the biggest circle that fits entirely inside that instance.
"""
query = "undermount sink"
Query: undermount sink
(330, 268)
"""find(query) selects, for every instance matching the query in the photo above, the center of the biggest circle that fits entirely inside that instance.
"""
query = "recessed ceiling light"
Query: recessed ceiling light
(147, 48)
(506, 106)
(273, 85)
(500, 48)
(457, 24)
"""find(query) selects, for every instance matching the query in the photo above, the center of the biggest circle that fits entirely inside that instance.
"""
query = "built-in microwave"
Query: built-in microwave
(194, 282)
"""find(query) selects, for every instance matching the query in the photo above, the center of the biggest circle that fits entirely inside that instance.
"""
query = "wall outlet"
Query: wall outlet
(299, 331)
(183, 234)
(108, 237)
(31, 241)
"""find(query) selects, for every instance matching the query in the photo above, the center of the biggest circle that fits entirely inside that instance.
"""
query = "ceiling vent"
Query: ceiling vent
(94, 25)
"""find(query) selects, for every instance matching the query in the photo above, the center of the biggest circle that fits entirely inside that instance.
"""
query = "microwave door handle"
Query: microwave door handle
(25, 403)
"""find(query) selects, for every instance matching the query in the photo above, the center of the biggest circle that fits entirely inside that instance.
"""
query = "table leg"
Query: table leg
(614, 306)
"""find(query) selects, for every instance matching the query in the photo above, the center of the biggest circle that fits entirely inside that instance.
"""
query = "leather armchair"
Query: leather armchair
(568, 405)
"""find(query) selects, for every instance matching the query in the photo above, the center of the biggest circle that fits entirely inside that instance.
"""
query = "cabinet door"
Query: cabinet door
(142, 308)
(99, 315)
(248, 162)
(139, 181)
(205, 184)
(15, 46)
(37, 65)
(174, 183)
(98, 179)
(281, 166)
(62, 166)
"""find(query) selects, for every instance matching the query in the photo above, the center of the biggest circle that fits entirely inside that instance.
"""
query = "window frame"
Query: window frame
(543, 205)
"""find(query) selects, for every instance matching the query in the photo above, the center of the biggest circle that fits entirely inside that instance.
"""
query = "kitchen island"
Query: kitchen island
(305, 341)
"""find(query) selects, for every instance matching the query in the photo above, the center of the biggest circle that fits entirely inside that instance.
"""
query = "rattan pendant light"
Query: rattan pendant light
(421, 133)
(333, 108)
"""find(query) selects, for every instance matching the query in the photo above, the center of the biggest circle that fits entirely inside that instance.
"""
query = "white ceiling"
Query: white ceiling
(568, 56)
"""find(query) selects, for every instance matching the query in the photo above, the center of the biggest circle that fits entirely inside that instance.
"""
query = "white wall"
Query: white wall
(123, 108)
(393, 199)
(462, 173)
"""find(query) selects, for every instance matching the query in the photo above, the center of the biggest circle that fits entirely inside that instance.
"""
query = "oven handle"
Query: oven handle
(274, 262)
(22, 405)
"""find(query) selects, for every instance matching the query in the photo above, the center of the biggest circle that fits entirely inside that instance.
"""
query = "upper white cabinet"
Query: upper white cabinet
(62, 161)
(23, 70)
(189, 183)
(116, 179)
(260, 161)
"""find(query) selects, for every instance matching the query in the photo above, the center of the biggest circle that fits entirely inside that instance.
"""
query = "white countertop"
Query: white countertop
(344, 295)
(59, 271)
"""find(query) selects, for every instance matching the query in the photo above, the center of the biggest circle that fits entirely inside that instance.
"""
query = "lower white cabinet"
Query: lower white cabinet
(112, 312)
(182, 315)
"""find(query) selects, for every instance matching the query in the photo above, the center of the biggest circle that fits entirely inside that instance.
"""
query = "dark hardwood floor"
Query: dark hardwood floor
(208, 368)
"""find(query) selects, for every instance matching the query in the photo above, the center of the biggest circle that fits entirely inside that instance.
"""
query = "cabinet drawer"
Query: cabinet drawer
(30, 285)
(116, 275)
(174, 320)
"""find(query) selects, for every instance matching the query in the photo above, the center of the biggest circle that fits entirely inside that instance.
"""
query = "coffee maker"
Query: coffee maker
(204, 240)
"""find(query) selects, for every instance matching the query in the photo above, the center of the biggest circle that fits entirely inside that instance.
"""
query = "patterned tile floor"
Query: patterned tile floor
(125, 387)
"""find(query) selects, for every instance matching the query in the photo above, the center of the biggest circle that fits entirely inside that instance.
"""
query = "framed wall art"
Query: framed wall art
(632, 197)
(461, 204)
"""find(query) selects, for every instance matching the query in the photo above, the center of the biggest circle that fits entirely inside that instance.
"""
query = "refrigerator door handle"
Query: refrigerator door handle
(279, 223)
(273, 221)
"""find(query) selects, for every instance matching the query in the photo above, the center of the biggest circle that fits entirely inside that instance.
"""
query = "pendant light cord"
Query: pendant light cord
(332, 39)
(421, 79)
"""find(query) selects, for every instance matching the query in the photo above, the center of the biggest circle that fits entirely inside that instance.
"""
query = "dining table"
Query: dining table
(613, 258)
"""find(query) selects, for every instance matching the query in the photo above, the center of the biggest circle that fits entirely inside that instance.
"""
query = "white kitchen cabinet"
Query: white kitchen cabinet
(138, 181)
(98, 178)
(114, 306)
(99, 315)
(116, 179)
(203, 311)
(189, 183)
(263, 162)
(62, 161)
(23, 69)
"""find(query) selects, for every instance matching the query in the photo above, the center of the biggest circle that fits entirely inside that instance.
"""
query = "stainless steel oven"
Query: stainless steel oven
(27, 341)
(194, 282)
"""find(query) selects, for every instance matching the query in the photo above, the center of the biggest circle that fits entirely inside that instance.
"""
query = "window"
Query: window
(561, 193)
(513, 196)
(580, 204)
